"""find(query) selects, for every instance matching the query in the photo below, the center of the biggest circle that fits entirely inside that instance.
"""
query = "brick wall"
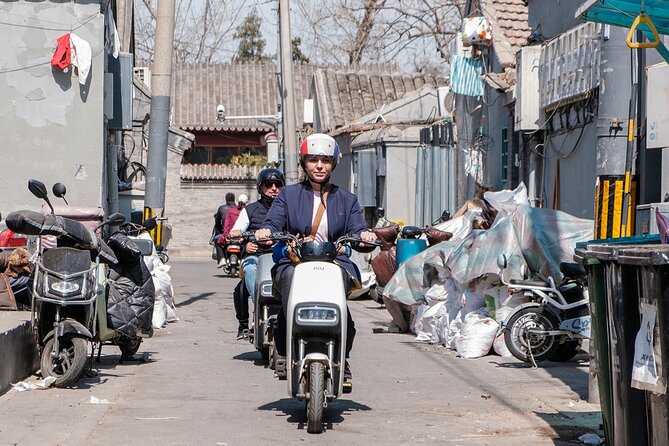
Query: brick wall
(190, 208)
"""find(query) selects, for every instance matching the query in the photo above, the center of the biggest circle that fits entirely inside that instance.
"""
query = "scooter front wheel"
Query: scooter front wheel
(523, 335)
(68, 365)
(316, 401)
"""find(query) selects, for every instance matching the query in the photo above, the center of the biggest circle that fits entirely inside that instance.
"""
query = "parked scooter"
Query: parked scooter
(71, 285)
(316, 317)
(556, 319)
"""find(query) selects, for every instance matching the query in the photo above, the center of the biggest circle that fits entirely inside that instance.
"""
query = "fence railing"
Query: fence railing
(209, 172)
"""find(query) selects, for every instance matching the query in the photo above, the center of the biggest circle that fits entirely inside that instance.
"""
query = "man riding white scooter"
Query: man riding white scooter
(319, 210)
(269, 184)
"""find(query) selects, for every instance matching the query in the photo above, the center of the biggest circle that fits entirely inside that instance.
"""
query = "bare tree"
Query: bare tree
(203, 29)
(415, 32)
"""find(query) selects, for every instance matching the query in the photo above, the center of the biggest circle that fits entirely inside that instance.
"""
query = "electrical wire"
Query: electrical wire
(67, 27)
(11, 70)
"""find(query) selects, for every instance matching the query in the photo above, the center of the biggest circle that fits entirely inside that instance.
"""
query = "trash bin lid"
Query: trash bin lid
(609, 249)
(644, 255)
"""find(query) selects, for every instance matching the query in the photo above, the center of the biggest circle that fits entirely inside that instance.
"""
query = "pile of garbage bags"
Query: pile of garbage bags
(454, 287)
(163, 310)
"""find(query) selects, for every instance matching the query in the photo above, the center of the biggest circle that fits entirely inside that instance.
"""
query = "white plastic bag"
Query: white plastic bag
(476, 335)
(644, 368)
(476, 31)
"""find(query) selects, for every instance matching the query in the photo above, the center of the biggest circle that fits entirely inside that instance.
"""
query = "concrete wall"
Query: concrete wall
(51, 127)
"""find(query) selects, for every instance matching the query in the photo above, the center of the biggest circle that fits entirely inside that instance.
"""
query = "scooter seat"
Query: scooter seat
(529, 283)
(572, 270)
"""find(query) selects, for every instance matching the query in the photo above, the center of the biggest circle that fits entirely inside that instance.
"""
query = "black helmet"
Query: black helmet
(229, 197)
(270, 174)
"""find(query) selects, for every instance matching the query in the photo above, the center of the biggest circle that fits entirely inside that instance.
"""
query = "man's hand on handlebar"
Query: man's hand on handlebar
(236, 234)
(262, 234)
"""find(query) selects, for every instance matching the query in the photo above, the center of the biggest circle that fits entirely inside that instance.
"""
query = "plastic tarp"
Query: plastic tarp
(457, 274)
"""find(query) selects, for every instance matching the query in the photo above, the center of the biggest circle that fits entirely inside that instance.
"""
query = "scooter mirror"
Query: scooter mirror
(149, 223)
(501, 261)
(116, 219)
(38, 189)
(59, 190)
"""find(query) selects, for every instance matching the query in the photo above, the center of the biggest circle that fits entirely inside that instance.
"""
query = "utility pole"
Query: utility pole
(288, 110)
(161, 83)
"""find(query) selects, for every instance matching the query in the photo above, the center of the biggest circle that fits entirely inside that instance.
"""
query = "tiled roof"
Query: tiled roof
(245, 89)
(510, 27)
(345, 96)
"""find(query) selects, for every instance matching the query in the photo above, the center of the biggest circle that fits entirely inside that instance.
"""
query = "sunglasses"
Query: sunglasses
(269, 184)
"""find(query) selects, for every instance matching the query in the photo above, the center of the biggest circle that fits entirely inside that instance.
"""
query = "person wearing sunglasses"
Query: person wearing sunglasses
(269, 184)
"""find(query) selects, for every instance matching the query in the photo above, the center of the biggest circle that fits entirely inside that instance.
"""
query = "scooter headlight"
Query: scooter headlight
(65, 288)
(317, 315)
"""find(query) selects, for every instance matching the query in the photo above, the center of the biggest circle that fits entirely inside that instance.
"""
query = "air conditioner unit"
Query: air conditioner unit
(144, 74)
(527, 108)
(446, 100)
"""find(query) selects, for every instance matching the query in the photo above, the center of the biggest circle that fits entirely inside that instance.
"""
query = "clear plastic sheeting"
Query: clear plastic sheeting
(458, 274)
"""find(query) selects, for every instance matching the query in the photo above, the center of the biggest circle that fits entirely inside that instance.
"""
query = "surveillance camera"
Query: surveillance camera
(220, 112)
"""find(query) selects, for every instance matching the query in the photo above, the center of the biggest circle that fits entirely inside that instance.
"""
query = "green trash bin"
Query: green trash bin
(651, 267)
(599, 333)
(615, 322)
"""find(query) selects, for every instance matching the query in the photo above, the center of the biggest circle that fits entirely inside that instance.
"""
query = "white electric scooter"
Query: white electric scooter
(316, 318)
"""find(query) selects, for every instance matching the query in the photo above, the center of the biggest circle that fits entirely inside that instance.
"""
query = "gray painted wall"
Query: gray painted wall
(51, 127)
(552, 17)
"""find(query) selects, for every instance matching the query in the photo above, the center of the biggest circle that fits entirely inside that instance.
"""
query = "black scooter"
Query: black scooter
(71, 284)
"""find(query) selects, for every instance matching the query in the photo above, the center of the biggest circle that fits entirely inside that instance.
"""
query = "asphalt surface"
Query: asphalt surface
(199, 385)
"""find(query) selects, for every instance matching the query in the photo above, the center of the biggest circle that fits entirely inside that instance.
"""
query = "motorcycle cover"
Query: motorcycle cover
(130, 297)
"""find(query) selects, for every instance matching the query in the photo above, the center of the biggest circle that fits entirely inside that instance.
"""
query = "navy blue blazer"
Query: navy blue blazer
(292, 211)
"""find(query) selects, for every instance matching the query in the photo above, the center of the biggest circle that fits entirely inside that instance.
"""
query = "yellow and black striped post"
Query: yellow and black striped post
(609, 206)
(157, 232)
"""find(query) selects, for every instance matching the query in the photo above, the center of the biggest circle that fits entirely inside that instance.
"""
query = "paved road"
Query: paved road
(200, 386)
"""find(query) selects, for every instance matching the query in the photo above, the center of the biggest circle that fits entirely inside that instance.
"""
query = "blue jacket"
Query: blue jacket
(292, 211)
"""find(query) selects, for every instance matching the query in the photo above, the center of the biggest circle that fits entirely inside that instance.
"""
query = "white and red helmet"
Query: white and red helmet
(320, 144)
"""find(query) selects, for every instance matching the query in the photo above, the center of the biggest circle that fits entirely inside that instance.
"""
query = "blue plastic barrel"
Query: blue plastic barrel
(407, 248)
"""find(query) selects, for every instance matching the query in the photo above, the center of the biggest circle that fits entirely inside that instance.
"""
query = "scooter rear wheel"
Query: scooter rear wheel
(68, 366)
(129, 346)
(316, 398)
(520, 339)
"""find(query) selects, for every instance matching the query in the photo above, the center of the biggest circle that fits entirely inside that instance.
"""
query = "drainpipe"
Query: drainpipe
(532, 187)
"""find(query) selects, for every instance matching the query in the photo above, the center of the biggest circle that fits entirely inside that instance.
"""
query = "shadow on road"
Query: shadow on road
(573, 373)
(568, 426)
(110, 367)
(296, 411)
(253, 356)
(194, 298)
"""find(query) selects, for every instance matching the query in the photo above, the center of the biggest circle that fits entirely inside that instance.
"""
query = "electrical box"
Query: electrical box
(646, 222)
(121, 69)
(657, 122)
(527, 108)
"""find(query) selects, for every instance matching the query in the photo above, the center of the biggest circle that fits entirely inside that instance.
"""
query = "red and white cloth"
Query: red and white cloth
(73, 50)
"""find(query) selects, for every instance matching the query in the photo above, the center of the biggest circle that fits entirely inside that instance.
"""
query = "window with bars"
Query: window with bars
(505, 154)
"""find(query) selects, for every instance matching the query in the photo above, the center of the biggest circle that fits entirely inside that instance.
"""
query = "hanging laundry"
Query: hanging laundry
(81, 57)
(112, 42)
(466, 76)
(61, 57)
